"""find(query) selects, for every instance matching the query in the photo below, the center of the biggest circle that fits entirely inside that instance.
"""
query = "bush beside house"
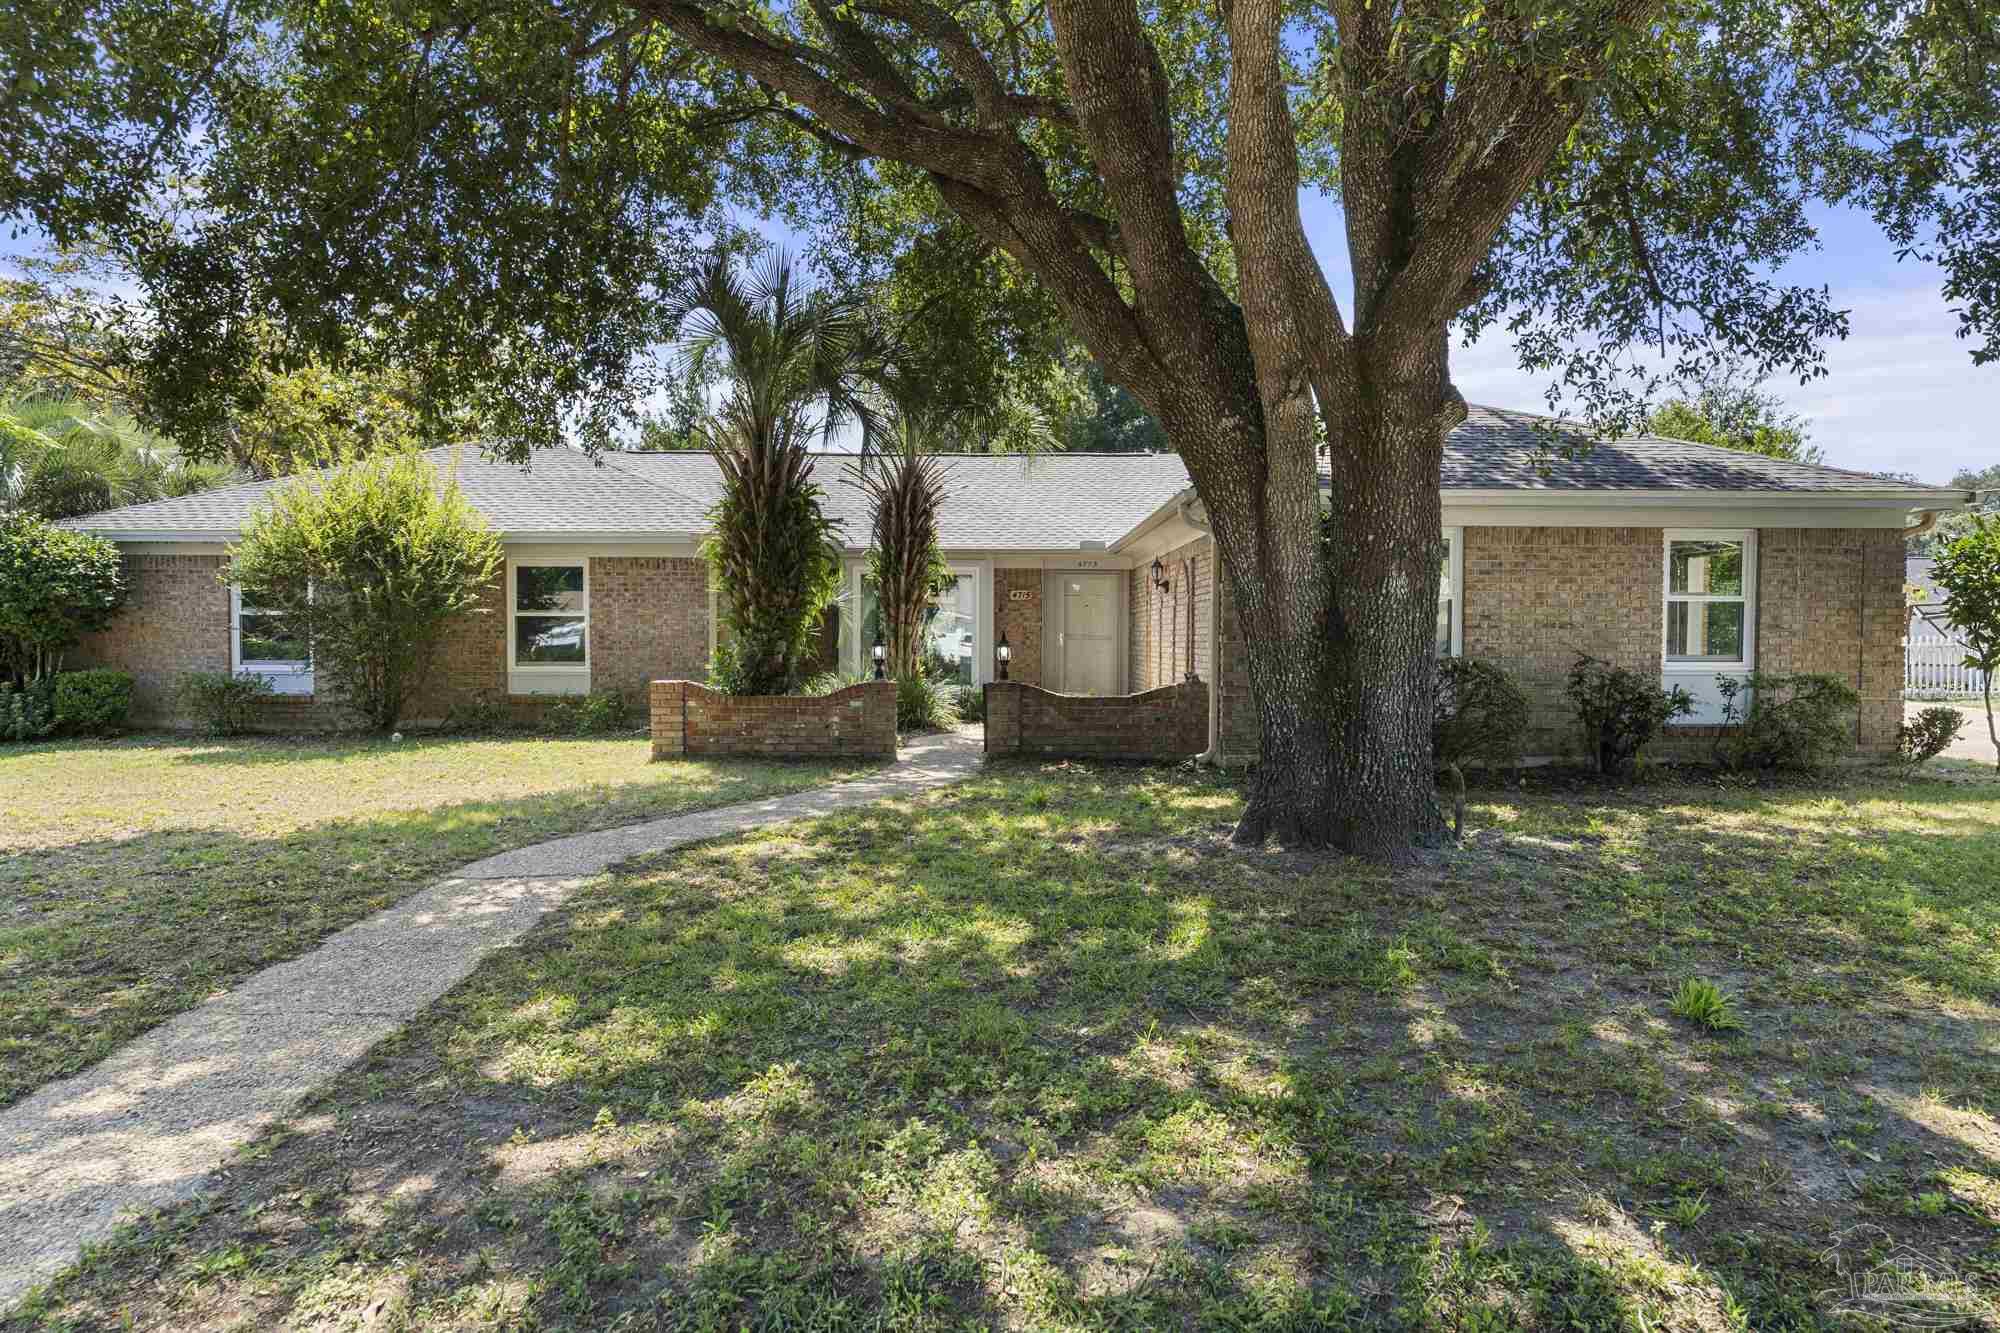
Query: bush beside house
(368, 563)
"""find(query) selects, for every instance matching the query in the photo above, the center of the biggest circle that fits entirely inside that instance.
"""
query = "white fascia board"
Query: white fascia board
(1896, 497)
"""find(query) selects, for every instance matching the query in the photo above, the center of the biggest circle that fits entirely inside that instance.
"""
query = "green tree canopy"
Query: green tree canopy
(495, 195)
(1726, 407)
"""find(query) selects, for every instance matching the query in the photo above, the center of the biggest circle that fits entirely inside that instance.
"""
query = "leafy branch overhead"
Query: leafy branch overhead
(1663, 154)
(495, 197)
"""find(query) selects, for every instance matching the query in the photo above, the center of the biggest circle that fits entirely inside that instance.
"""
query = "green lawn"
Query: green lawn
(1045, 1051)
(139, 876)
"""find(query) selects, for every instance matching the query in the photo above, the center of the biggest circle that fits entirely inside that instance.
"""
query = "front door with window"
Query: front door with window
(1088, 639)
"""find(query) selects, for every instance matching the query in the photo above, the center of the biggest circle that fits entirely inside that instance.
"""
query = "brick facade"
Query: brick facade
(1166, 723)
(648, 621)
(1020, 619)
(1165, 645)
(1830, 601)
(690, 719)
(176, 619)
(1536, 597)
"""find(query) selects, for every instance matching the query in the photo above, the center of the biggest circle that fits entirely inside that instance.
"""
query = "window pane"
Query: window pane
(948, 636)
(265, 639)
(1704, 631)
(548, 639)
(1444, 603)
(1715, 568)
(548, 588)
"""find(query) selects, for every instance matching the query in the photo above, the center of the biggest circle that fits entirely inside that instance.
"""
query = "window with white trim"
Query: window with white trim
(1450, 630)
(262, 644)
(548, 615)
(1709, 580)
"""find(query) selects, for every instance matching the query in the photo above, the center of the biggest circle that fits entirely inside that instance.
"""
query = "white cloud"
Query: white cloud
(1900, 395)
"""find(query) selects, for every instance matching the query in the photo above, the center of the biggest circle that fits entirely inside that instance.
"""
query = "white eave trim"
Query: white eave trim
(1904, 497)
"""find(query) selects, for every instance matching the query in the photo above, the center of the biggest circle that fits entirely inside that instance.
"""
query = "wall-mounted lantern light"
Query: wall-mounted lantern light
(881, 654)
(1159, 576)
(1003, 652)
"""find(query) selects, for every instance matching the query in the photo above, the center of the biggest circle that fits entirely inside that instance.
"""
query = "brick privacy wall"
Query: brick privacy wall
(690, 719)
(648, 621)
(1830, 601)
(1167, 723)
(1020, 621)
(1159, 649)
(176, 619)
(1536, 597)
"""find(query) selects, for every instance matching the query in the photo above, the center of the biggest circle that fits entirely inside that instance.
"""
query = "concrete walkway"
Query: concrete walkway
(146, 1126)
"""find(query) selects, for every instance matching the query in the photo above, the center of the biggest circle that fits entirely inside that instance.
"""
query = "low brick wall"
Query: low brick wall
(692, 719)
(1168, 723)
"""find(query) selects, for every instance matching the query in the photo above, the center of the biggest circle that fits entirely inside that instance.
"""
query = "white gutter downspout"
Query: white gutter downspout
(1213, 754)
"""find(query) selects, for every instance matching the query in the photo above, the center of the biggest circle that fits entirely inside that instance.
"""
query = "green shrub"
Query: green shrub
(368, 562)
(27, 713)
(1929, 734)
(971, 703)
(1621, 710)
(1702, 1002)
(593, 714)
(482, 714)
(224, 705)
(1482, 715)
(1800, 723)
(55, 587)
(94, 703)
(831, 682)
(925, 703)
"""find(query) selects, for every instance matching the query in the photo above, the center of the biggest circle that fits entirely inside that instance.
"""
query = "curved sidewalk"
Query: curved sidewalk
(145, 1126)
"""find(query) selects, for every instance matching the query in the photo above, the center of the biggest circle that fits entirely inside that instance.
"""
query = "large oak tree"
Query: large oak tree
(494, 192)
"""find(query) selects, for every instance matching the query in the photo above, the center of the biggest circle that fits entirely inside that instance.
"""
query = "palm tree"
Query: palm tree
(905, 489)
(795, 363)
(59, 459)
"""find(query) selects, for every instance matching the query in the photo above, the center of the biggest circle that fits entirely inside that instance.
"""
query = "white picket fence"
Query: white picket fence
(1934, 664)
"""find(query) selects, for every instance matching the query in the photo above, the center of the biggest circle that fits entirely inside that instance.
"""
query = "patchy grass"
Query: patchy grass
(1045, 1051)
(139, 876)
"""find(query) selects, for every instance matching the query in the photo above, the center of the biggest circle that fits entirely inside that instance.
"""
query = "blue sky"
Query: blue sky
(1901, 393)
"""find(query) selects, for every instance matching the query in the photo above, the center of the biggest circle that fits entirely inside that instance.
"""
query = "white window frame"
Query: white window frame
(286, 677)
(1743, 664)
(575, 670)
(854, 654)
(1455, 567)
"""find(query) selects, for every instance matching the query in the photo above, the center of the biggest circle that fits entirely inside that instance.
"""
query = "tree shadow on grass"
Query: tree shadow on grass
(102, 939)
(1051, 1052)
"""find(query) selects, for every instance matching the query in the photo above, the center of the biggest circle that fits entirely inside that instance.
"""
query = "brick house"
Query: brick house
(1679, 559)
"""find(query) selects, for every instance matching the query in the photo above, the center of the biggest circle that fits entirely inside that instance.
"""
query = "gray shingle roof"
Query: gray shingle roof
(1045, 502)
(1007, 502)
(1499, 449)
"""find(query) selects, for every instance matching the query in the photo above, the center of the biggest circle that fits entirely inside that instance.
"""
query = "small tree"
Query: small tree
(793, 358)
(905, 488)
(1967, 571)
(367, 562)
(55, 587)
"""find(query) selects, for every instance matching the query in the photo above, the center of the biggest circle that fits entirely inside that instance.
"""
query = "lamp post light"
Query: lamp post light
(881, 653)
(1004, 653)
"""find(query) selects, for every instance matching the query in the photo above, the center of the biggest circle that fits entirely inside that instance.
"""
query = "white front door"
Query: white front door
(1089, 634)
